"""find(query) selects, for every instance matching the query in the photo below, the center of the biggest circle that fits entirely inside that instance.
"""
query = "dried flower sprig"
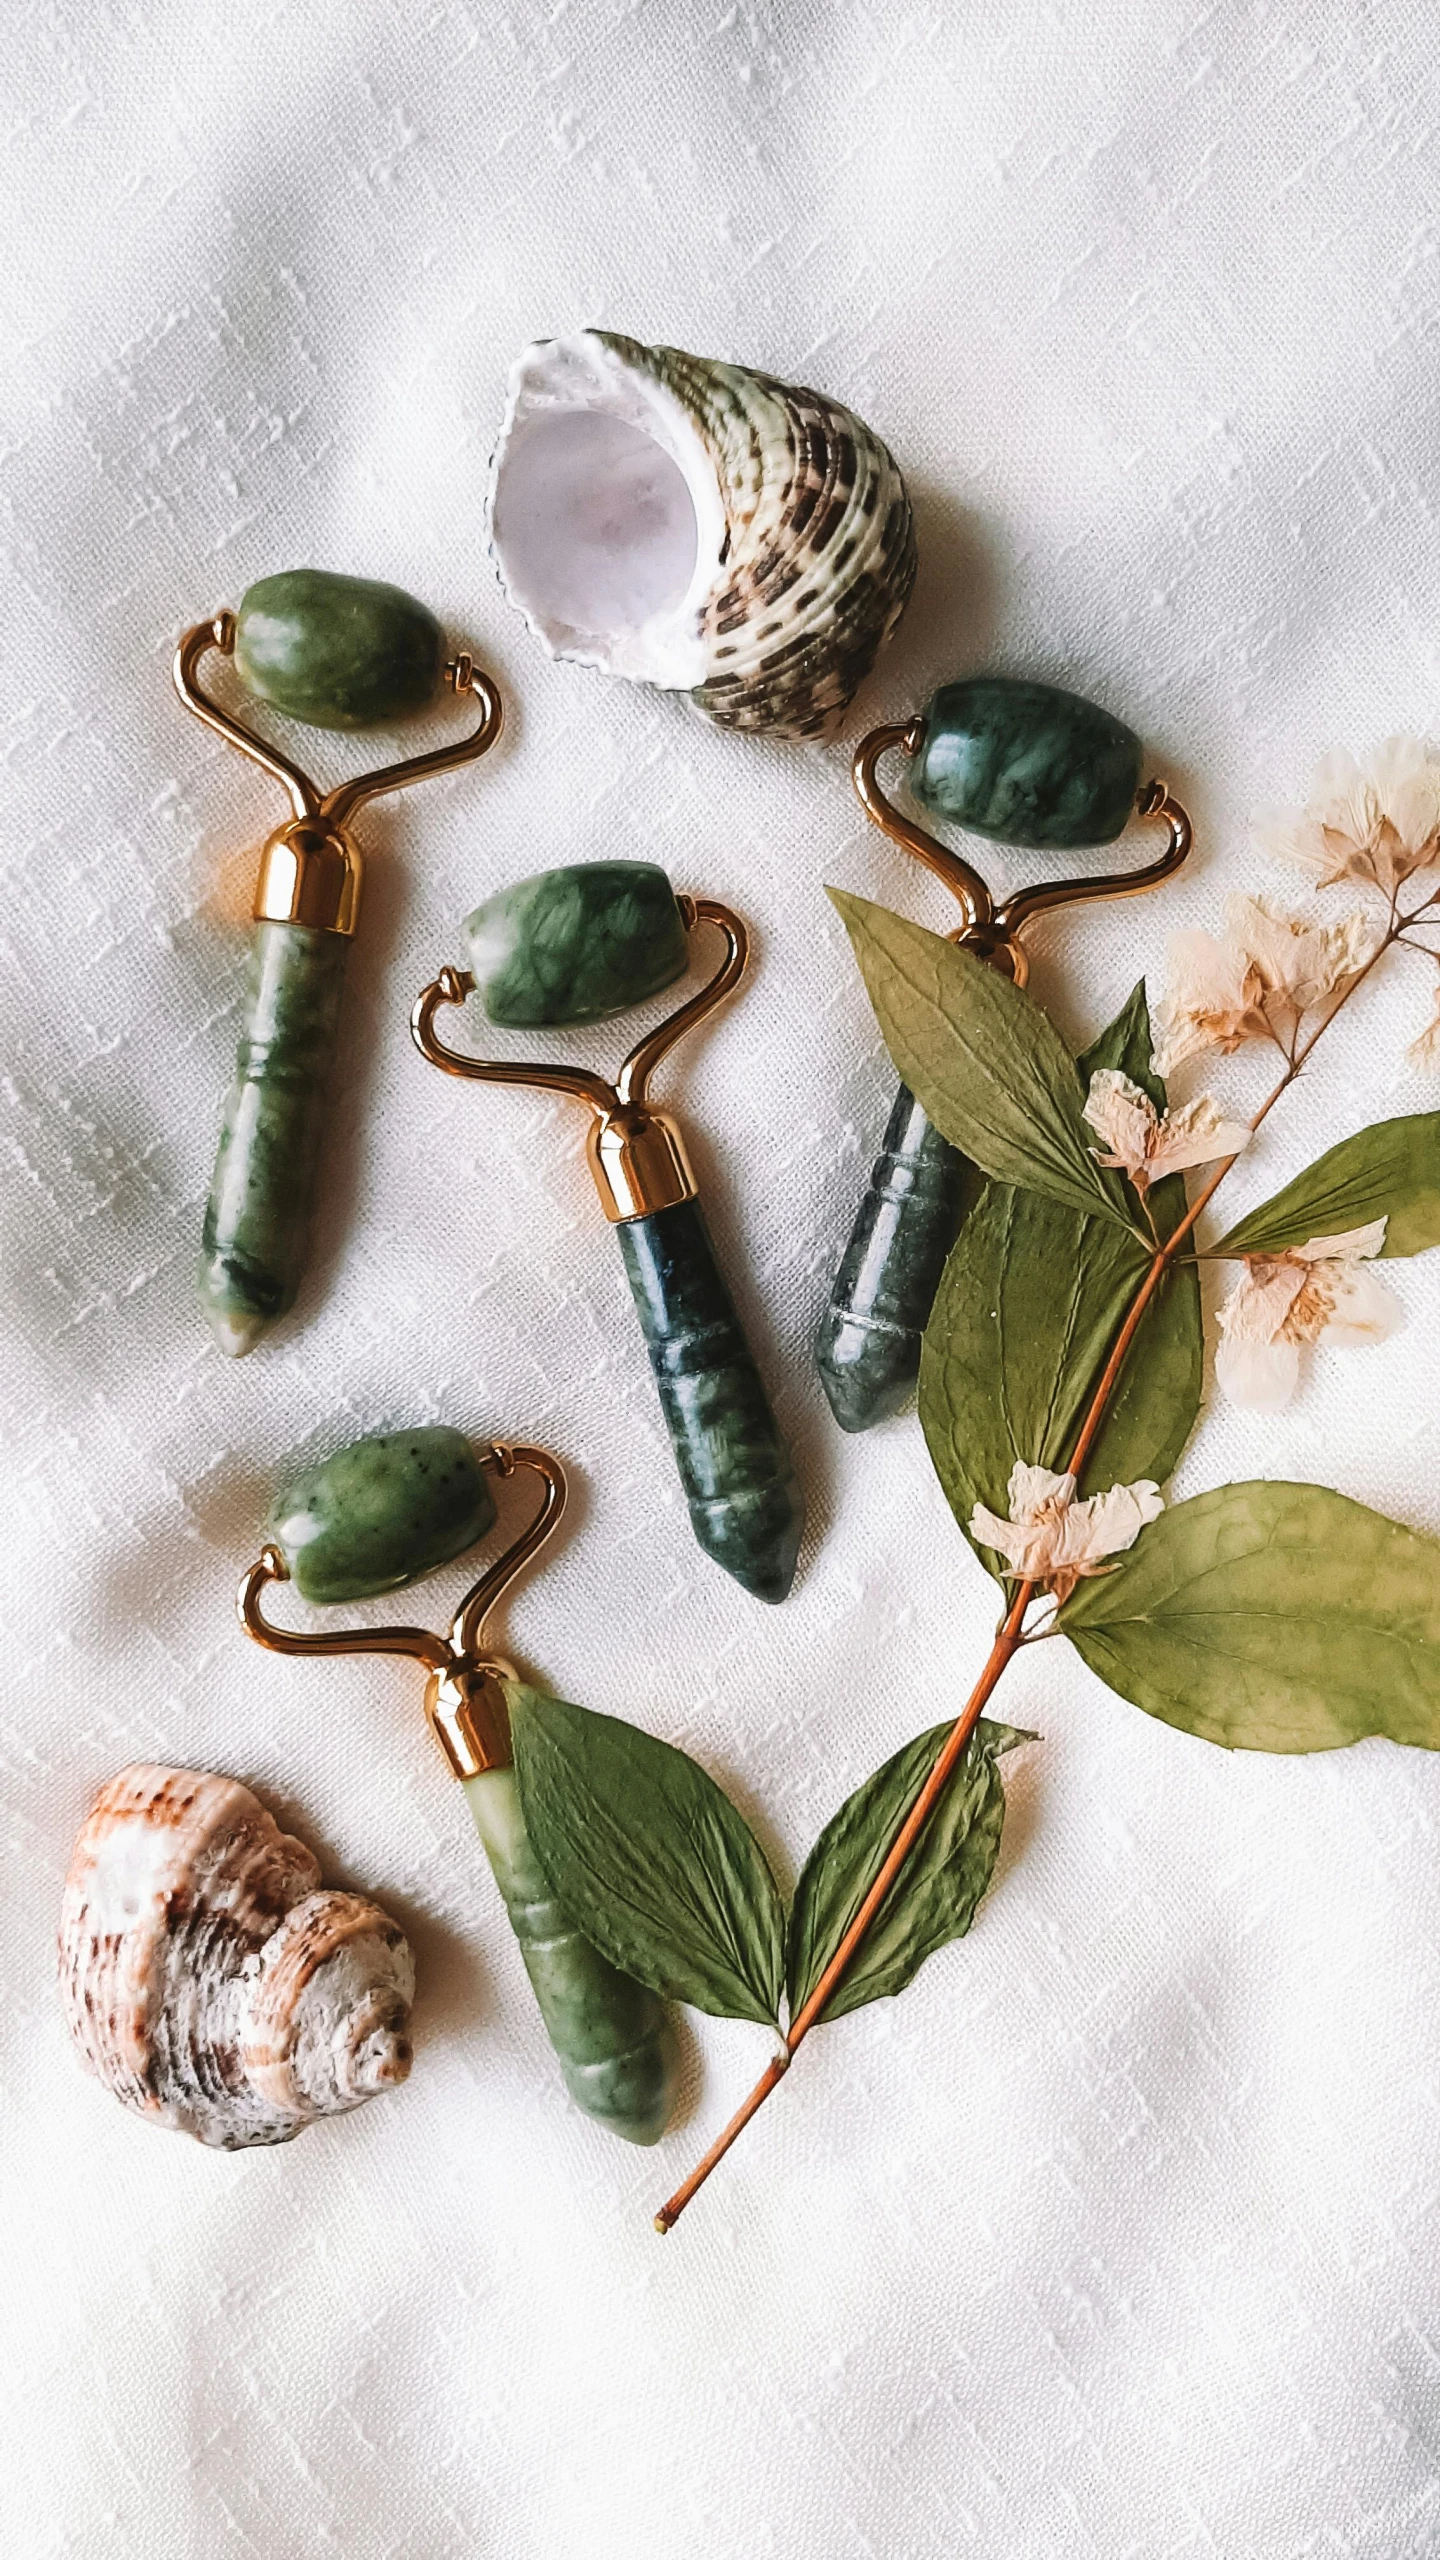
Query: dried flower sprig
(1052, 1439)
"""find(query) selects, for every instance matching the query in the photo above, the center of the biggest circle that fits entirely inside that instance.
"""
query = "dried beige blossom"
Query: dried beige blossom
(1378, 827)
(1052, 1539)
(1270, 969)
(1317, 1292)
(1301, 964)
(1144, 1146)
(1212, 1001)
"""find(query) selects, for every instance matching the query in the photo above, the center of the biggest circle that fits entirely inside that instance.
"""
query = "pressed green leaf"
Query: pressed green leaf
(990, 1068)
(1030, 1301)
(649, 1857)
(934, 1897)
(1391, 1171)
(1271, 1617)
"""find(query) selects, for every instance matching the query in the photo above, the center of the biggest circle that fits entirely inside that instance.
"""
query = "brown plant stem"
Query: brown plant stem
(1007, 1642)
(839, 1964)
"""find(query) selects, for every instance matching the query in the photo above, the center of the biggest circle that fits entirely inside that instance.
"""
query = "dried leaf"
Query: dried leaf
(934, 1897)
(1030, 1302)
(1271, 1617)
(649, 1857)
(989, 1067)
(1391, 1171)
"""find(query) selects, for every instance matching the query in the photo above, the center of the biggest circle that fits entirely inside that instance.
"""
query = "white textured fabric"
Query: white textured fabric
(1117, 2235)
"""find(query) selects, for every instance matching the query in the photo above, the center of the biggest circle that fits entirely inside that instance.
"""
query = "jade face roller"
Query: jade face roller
(340, 653)
(573, 945)
(378, 1514)
(1025, 764)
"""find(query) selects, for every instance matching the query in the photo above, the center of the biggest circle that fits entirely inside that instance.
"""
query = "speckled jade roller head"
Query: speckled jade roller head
(380, 1513)
(1032, 766)
(576, 944)
(1027, 764)
(341, 653)
(336, 652)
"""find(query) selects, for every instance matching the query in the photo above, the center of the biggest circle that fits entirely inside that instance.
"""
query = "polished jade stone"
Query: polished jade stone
(615, 2040)
(257, 1218)
(381, 1512)
(746, 1507)
(339, 653)
(575, 944)
(1026, 763)
(867, 1349)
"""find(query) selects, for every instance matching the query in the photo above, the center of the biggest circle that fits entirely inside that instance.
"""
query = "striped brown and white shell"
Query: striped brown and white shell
(698, 526)
(209, 1979)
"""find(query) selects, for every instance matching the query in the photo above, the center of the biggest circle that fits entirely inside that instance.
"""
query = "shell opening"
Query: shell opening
(607, 523)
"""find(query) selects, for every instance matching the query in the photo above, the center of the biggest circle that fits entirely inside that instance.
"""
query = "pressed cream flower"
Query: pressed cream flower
(1052, 1539)
(1212, 1001)
(1270, 968)
(1379, 827)
(1145, 1147)
(1317, 1292)
(1300, 964)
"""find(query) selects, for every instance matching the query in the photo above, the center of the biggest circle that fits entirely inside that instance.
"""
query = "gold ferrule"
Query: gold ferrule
(998, 948)
(638, 1159)
(310, 874)
(469, 1715)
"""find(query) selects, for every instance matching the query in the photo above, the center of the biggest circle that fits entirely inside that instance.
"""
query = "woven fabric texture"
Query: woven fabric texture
(1116, 2237)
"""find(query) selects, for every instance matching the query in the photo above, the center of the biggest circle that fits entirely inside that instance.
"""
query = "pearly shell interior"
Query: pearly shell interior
(700, 527)
(207, 1977)
(601, 538)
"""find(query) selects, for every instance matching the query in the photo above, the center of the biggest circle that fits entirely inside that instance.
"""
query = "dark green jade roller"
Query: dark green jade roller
(575, 945)
(337, 653)
(379, 1514)
(1028, 765)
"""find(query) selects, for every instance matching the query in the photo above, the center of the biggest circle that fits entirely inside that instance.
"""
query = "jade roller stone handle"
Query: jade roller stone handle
(377, 1515)
(1033, 766)
(257, 1217)
(614, 2039)
(578, 944)
(745, 1505)
(867, 1349)
(337, 653)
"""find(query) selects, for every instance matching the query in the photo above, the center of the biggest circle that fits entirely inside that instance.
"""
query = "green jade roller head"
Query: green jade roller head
(1024, 764)
(337, 653)
(575, 945)
(377, 1515)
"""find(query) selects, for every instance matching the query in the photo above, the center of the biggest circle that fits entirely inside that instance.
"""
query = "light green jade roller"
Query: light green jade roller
(377, 1515)
(337, 653)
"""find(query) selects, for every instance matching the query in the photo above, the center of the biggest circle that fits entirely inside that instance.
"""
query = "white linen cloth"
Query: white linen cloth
(1117, 2234)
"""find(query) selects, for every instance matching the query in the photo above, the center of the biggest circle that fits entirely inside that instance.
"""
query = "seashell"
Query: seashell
(207, 1977)
(700, 527)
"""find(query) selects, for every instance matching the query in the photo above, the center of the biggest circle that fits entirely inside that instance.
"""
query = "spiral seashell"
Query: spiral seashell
(698, 526)
(207, 1977)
